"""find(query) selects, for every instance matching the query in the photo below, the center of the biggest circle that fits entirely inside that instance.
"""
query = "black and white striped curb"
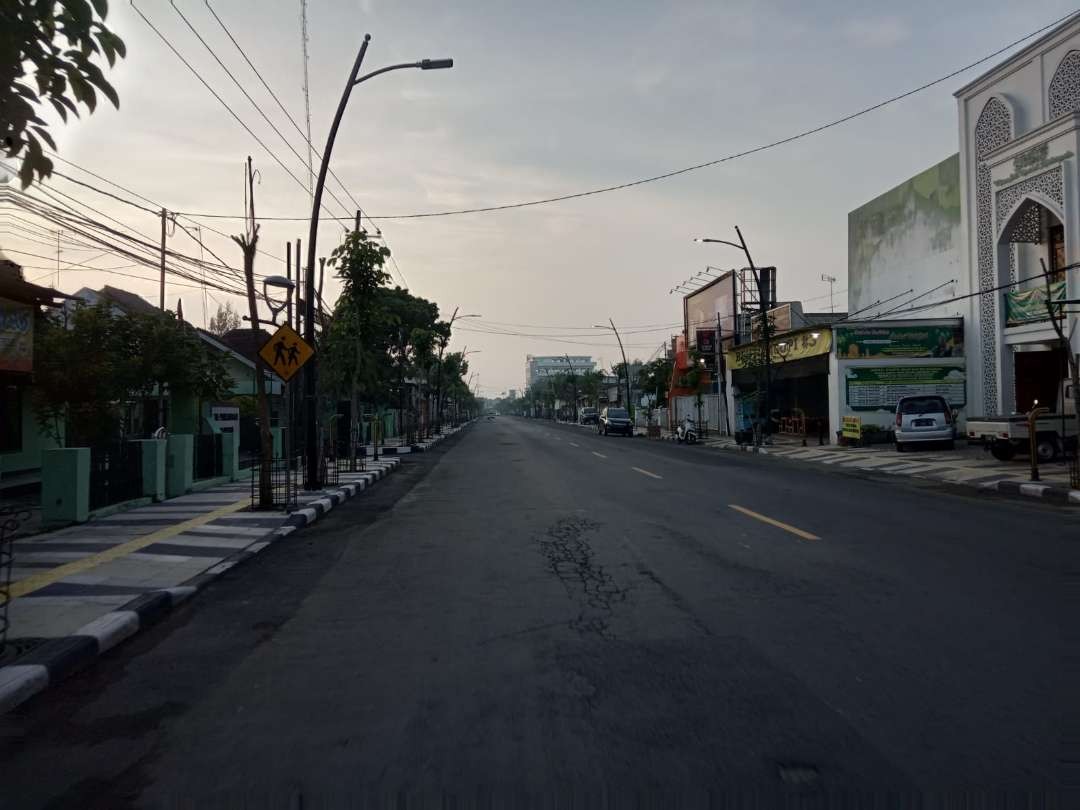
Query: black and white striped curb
(1035, 490)
(1031, 489)
(421, 446)
(52, 661)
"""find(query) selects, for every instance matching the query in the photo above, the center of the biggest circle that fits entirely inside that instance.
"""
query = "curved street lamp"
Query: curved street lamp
(626, 365)
(313, 481)
(763, 305)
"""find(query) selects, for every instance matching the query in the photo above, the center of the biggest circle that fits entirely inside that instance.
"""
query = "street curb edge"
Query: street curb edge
(54, 660)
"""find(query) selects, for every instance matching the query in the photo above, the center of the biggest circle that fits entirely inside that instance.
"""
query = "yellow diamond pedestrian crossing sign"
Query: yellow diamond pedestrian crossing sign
(286, 352)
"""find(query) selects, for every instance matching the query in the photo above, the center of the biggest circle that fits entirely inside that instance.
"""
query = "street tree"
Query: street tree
(48, 50)
(87, 369)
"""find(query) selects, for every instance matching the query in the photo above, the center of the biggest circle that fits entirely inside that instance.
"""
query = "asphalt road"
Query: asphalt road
(532, 610)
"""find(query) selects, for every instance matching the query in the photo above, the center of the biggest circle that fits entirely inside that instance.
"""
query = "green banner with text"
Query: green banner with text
(869, 342)
(881, 387)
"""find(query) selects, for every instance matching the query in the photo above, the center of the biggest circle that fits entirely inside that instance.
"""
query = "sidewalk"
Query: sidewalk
(79, 591)
(966, 466)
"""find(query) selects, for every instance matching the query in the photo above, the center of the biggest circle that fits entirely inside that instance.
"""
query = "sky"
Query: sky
(543, 100)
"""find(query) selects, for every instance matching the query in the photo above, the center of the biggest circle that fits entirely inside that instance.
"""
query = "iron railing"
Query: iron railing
(115, 474)
(11, 516)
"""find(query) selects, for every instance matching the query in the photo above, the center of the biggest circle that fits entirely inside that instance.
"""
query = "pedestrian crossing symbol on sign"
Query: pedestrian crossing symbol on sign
(286, 352)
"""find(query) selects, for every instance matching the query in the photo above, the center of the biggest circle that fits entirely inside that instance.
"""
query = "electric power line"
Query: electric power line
(734, 156)
(222, 101)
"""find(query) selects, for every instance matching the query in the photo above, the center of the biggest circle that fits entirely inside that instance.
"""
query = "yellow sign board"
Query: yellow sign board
(851, 427)
(783, 348)
(286, 352)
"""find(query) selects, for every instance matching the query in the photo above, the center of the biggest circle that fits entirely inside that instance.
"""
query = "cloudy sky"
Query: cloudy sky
(544, 99)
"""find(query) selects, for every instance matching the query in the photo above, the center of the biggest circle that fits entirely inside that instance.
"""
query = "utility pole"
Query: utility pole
(58, 259)
(161, 306)
(761, 278)
(248, 242)
(721, 371)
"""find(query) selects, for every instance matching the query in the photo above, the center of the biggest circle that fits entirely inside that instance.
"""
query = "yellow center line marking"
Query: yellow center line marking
(598, 455)
(646, 472)
(39, 581)
(778, 524)
(574, 444)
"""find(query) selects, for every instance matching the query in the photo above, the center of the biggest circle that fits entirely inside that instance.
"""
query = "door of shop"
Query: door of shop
(1038, 376)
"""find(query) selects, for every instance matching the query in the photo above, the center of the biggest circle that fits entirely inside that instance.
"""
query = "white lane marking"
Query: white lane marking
(646, 472)
(598, 455)
(574, 444)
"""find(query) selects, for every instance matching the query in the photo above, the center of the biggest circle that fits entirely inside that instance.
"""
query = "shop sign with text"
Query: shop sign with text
(784, 349)
(881, 387)
(870, 342)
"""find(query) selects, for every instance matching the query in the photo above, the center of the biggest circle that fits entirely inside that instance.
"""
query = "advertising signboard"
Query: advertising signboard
(880, 387)
(784, 349)
(871, 342)
(706, 341)
(16, 336)
(851, 427)
(701, 307)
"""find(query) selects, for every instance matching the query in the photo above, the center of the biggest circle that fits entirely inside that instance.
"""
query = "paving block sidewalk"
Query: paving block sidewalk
(966, 466)
(79, 591)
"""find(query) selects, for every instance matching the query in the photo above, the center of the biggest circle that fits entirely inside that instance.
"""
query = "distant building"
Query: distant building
(537, 367)
(512, 393)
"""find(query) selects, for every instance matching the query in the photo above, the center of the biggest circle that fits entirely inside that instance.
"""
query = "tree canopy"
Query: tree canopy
(88, 368)
(47, 53)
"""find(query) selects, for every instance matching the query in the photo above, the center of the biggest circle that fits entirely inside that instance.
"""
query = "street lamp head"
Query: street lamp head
(698, 239)
(436, 64)
(280, 282)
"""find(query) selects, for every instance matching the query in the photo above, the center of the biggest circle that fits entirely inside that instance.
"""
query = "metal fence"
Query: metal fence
(208, 460)
(115, 473)
(10, 518)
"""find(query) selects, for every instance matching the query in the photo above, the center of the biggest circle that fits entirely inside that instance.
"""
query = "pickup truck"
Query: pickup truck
(1005, 436)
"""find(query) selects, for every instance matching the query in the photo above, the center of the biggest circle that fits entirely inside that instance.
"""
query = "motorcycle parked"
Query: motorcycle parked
(686, 431)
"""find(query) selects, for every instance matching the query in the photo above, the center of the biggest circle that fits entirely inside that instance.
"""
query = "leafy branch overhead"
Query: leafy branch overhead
(47, 55)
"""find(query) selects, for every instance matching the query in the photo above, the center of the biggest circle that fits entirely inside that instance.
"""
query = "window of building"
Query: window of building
(1056, 248)
(10, 418)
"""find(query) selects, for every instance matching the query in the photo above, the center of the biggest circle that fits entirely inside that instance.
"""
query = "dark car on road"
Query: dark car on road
(589, 416)
(615, 420)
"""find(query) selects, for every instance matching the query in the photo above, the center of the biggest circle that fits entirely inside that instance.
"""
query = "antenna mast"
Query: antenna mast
(307, 97)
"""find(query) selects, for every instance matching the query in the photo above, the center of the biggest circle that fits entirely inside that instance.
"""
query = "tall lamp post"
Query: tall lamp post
(760, 279)
(313, 481)
(626, 365)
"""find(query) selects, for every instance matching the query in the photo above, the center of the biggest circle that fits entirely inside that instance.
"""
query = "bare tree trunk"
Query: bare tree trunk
(248, 242)
(1074, 361)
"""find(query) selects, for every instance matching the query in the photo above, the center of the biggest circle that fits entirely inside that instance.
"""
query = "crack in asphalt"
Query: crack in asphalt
(571, 558)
